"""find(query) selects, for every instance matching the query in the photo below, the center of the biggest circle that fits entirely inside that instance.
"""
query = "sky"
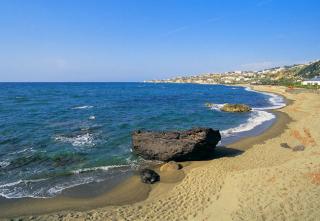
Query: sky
(136, 40)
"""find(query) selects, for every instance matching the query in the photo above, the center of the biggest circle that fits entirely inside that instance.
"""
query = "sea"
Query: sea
(55, 136)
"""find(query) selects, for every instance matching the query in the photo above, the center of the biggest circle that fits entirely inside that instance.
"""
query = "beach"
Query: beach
(272, 176)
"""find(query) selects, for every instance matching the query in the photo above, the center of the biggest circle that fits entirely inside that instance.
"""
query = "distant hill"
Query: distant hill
(310, 71)
(289, 75)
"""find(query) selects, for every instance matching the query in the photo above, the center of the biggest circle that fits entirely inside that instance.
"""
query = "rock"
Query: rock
(298, 148)
(235, 108)
(285, 145)
(295, 148)
(170, 166)
(175, 145)
(149, 176)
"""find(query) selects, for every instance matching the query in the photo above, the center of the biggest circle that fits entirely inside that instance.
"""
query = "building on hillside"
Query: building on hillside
(313, 81)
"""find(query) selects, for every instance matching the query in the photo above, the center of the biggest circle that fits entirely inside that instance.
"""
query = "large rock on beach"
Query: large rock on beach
(175, 145)
(149, 176)
(235, 108)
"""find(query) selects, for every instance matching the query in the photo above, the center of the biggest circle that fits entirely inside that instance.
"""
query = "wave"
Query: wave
(85, 179)
(92, 117)
(78, 141)
(258, 115)
(16, 189)
(58, 188)
(50, 187)
(275, 100)
(21, 181)
(21, 188)
(4, 164)
(257, 118)
(216, 107)
(30, 149)
(83, 107)
(104, 168)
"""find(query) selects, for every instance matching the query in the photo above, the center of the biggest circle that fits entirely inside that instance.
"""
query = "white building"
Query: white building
(313, 81)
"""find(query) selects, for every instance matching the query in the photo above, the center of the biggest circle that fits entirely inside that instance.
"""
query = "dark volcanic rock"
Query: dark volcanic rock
(149, 176)
(175, 145)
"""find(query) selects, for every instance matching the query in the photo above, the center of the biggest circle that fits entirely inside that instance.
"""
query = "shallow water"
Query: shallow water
(57, 135)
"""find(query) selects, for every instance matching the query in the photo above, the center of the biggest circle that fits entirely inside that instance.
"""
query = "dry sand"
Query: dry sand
(266, 182)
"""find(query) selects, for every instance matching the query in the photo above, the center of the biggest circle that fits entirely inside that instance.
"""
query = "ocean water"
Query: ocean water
(54, 136)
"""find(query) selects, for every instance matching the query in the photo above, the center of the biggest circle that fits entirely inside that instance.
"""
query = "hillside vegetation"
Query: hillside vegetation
(310, 71)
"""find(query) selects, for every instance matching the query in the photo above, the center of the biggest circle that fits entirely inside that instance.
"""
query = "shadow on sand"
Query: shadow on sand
(218, 152)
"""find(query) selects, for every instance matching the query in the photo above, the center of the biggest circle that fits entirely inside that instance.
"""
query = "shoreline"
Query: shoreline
(131, 190)
(277, 127)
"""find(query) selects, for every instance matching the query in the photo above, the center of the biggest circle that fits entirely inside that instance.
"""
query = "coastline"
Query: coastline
(194, 187)
(131, 190)
(277, 127)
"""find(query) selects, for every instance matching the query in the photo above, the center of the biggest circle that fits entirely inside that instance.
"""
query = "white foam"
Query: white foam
(21, 182)
(257, 118)
(78, 141)
(17, 189)
(60, 187)
(92, 117)
(4, 164)
(83, 107)
(275, 100)
(22, 151)
(216, 107)
(11, 184)
(105, 168)
(249, 89)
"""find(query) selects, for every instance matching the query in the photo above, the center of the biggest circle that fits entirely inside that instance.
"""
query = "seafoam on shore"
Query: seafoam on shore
(258, 115)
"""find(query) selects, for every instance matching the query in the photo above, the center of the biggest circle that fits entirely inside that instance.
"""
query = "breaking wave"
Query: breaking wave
(104, 168)
(275, 100)
(83, 107)
(4, 164)
(257, 118)
(49, 187)
(78, 141)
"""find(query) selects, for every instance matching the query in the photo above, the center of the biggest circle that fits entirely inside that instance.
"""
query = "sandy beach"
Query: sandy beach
(273, 176)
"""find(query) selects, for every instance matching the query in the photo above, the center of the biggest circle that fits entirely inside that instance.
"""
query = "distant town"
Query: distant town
(290, 75)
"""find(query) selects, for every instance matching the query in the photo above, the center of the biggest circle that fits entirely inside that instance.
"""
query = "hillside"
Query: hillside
(289, 75)
(310, 71)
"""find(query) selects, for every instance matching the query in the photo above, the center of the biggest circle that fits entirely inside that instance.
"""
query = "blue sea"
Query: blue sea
(55, 136)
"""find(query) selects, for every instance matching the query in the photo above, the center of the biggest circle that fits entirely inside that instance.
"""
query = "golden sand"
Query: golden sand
(266, 182)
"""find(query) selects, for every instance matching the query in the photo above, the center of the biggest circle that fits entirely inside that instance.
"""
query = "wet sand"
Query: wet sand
(264, 182)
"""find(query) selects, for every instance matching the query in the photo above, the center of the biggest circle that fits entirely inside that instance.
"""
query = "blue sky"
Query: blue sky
(133, 40)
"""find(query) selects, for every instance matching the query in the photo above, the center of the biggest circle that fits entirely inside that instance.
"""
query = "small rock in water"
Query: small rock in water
(170, 166)
(298, 148)
(149, 176)
(235, 108)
